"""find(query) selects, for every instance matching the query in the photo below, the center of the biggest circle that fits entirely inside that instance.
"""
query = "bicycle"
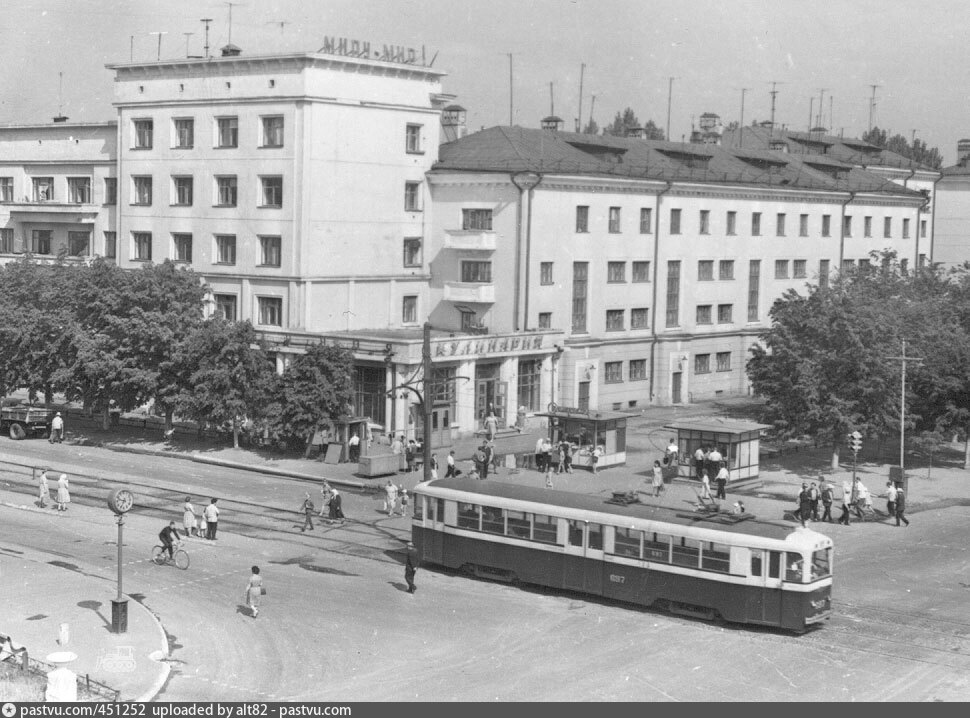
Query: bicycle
(180, 556)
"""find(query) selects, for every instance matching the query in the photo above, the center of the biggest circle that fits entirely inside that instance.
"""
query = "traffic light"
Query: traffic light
(855, 441)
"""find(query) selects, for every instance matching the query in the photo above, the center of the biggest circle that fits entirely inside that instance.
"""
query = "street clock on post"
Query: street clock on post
(120, 501)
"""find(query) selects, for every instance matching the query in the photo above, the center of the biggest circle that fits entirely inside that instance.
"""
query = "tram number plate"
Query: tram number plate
(617, 579)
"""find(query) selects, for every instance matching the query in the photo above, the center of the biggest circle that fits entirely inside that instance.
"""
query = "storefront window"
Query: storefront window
(530, 381)
(369, 392)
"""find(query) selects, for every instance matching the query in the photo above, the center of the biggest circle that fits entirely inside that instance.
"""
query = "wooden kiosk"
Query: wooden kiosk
(587, 428)
(737, 441)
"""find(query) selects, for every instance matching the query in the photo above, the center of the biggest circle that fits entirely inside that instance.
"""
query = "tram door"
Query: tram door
(764, 597)
(583, 567)
(432, 546)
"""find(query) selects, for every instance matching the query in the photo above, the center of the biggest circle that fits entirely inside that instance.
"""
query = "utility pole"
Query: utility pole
(811, 113)
(230, 4)
(670, 92)
(159, 42)
(902, 403)
(579, 120)
(741, 123)
(774, 94)
(205, 21)
(510, 89)
(427, 396)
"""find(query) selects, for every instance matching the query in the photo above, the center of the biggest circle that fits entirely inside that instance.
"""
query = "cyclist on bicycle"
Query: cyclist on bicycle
(168, 536)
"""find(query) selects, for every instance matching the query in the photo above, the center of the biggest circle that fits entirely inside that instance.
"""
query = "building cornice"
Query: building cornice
(274, 99)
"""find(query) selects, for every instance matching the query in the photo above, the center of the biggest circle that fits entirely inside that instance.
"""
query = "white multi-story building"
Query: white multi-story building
(951, 246)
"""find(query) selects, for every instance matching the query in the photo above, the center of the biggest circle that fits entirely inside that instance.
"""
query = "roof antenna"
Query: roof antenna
(579, 117)
(60, 99)
(552, 103)
(187, 36)
(206, 21)
(159, 43)
(281, 23)
(230, 4)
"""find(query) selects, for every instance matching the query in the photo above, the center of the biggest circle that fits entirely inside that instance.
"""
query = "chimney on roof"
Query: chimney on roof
(231, 50)
(60, 118)
(963, 151)
(453, 123)
(552, 123)
(709, 130)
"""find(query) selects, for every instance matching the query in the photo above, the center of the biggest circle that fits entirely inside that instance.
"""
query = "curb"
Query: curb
(159, 657)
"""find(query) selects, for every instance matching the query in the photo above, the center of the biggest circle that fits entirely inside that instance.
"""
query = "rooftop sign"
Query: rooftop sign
(364, 51)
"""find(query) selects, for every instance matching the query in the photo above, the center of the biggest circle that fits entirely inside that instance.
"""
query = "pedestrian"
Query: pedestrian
(254, 591)
(804, 504)
(891, 495)
(491, 456)
(434, 467)
(354, 444)
(404, 502)
(336, 506)
(409, 571)
(568, 449)
(63, 493)
(813, 496)
(44, 489)
(481, 461)
(57, 429)
(307, 509)
(714, 459)
(658, 478)
(671, 453)
(324, 497)
(739, 507)
(540, 456)
(723, 475)
(188, 517)
(211, 513)
(901, 506)
(409, 452)
(450, 461)
(561, 466)
(549, 484)
(397, 446)
(390, 497)
(846, 503)
(547, 453)
(203, 528)
(491, 425)
(700, 456)
(597, 453)
(828, 496)
(705, 486)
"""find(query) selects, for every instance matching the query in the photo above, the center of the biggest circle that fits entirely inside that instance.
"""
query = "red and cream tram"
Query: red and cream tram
(746, 571)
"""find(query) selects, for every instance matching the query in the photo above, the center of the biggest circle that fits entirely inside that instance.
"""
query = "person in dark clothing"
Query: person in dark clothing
(828, 495)
(804, 504)
(409, 571)
(307, 509)
(169, 535)
(336, 506)
(846, 504)
(901, 506)
(814, 496)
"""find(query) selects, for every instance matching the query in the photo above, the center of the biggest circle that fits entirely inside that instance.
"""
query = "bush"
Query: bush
(21, 686)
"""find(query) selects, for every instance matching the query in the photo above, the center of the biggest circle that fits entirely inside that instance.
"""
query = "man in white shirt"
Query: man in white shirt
(540, 455)
(451, 465)
(211, 513)
(57, 429)
(699, 458)
(354, 443)
(721, 479)
(714, 460)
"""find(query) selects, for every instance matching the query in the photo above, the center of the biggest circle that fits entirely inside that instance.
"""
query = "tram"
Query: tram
(713, 566)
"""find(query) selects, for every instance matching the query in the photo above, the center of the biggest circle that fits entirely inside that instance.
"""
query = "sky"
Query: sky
(623, 53)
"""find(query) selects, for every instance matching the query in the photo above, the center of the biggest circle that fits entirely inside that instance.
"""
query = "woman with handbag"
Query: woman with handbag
(254, 591)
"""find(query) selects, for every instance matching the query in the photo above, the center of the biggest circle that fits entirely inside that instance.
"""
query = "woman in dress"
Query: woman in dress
(63, 494)
(705, 486)
(254, 591)
(658, 478)
(188, 517)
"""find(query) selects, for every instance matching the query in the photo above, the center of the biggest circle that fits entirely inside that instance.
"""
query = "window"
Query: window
(480, 219)
(476, 271)
(646, 220)
(142, 242)
(110, 190)
(799, 269)
(705, 270)
(732, 223)
(545, 320)
(412, 251)
(226, 306)
(716, 557)
(754, 288)
(79, 190)
(225, 249)
(6, 240)
(6, 189)
(545, 273)
(272, 191)
(781, 269)
(686, 552)
(143, 134)
(921, 261)
(702, 364)
(614, 220)
(182, 191)
(580, 286)
(673, 292)
(143, 191)
(182, 244)
(614, 372)
(412, 139)
(614, 320)
(110, 245)
(638, 369)
(43, 189)
(616, 272)
(904, 265)
(848, 265)
(705, 221)
(675, 221)
(867, 226)
(184, 133)
(530, 383)
(922, 228)
(723, 361)
(227, 191)
(544, 529)
(704, 314)
(227, 132)
(641, 272)
(887, 227)
(626, 542)
(409, 310)
(847, 225)
(270, 251)
(803, 225)
(780, 225)
(270, 311)
(272, 131)
(725, 313)
(906, 228)
(639, 318)
(412, 196)
(725, 269)
(78, 243)
(826, 225)
(756, 224)
(582, 219)
(823, 273)
(40, 241)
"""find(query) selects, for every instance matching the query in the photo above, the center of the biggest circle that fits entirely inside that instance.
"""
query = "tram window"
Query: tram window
(467, 516)
(716, 557)
(419, 507)
(626, 542)
(518, 524)
(794, 567)
(575, 533)
(492, 520)
(594, 537)
(821, 564)
(439, 506)
(686, 552)
(756, 564)
(544, 529)
(774, 564)
(656, 547)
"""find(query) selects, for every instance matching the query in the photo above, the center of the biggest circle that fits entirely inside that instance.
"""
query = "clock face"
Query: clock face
(120, 500)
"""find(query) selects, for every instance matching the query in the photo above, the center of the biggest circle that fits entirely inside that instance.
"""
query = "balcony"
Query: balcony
(84, 211)
(470, 239)
(472, 292)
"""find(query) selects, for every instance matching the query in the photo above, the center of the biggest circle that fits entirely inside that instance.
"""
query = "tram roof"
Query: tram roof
(586, 502)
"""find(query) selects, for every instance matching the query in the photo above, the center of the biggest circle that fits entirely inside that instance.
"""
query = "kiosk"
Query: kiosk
(737, 441)
(587, 428)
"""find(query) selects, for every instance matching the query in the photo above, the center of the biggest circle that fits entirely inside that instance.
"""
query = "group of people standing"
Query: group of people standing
(63, 491)
(855, 499)
(204, 524)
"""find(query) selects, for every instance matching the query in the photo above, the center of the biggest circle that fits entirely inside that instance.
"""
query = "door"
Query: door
(583, 398)
(583, 569)
(675, 388)
(441, 426)
(432, 547)
(764, 601)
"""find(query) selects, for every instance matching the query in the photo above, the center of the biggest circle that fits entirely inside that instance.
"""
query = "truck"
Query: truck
(19, 422)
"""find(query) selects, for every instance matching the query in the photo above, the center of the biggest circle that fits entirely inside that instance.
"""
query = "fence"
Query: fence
(87, 689)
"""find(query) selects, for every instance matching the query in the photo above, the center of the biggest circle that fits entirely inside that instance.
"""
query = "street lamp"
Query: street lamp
(902, 408)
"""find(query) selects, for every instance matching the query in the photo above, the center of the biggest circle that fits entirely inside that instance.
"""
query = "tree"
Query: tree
(317, 386)
(918, 152)
(591, 127)
(627, 119)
